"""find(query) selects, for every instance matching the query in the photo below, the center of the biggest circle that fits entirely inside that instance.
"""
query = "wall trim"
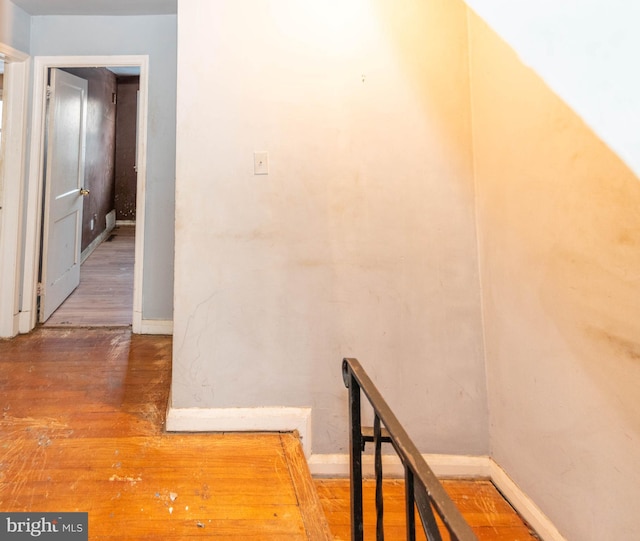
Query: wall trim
(156, 326)
(524, 505)
(11, 54)
(447, 467)
(289, 419)
(444, 466)
(95, 243)
(110, 219)
(12, 167)
(33, 216)
(269, 419)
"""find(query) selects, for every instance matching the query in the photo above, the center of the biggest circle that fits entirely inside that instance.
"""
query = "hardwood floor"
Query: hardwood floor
(482, 506)
(82, 429)
(105, 294)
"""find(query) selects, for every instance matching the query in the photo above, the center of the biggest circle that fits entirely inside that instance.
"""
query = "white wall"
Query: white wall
(153, 35)
(559, 232)
(14, 26)
(586, 51)
(14, 47)
(361, 240)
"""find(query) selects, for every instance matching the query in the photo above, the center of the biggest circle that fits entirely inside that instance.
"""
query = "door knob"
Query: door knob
(84, 192)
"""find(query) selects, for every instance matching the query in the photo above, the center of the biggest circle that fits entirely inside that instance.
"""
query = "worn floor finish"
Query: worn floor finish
(82, 430)
(105, 294)
(491, 518)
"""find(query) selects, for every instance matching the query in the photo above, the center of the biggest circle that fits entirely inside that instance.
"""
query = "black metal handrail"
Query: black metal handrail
(422, 488)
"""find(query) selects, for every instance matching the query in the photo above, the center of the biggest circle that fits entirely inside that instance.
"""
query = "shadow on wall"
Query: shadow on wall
(559, 232)
(430, 44)
(559, 221)
(591, 286)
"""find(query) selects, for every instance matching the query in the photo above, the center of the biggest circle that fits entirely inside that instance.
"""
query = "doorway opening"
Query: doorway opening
(103, 293)
(101, 228)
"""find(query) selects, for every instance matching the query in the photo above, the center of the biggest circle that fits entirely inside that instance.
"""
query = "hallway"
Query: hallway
(104, 297)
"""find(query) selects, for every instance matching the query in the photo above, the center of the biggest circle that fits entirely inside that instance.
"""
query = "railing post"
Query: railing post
(410, 504)
(355, 452)
(424, 492)
(426, 515)
(377, 442)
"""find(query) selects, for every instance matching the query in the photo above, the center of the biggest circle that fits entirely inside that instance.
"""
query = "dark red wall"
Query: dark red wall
(125, 173)
(99, 170)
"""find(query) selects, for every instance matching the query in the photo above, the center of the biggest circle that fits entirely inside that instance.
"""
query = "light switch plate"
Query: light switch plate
(260, 162)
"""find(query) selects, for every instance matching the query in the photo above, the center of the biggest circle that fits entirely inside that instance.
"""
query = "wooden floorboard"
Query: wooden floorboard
(82, 430)
(313, 515)
(105, 294)
(482, 506)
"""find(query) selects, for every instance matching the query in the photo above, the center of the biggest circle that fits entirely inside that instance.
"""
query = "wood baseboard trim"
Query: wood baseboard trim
(95, 243)
(155, 326)
(11, 327)
(271, 419)
(26, 322)
(110, 219)
(447, 466)
(287, 419)
(444, 466)
(525, 506)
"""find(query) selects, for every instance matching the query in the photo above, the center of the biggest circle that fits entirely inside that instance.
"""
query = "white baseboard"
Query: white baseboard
(26, 322)
(273, 419)
(524, 505)
(111, 219)
(10, 327)
(95, 243)
(155, 326)
(288, 419)
(125, 222)
(442, 465)
(447, 466)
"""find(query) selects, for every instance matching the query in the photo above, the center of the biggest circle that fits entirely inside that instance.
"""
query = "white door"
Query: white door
(64, 190)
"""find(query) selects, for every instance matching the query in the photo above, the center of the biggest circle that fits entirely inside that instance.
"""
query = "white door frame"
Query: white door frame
(28, 316)
(14, 136)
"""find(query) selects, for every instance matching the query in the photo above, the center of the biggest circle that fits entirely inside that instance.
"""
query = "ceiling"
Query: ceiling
(98, 7)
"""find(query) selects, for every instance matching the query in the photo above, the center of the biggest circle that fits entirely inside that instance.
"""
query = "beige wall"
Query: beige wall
(361, 240)
(559, 228)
